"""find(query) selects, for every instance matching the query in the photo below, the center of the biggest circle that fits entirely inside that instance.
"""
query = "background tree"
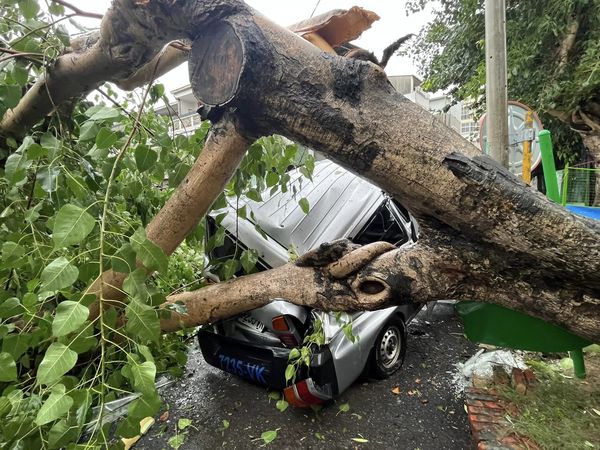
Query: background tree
(553, 62)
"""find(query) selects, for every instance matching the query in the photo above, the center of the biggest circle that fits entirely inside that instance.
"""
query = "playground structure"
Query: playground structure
(503, 327)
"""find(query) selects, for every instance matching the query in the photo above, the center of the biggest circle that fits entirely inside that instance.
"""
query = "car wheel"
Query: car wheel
(389, 349)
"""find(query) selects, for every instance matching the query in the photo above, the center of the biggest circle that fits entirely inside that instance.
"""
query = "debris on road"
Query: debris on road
(479, 369)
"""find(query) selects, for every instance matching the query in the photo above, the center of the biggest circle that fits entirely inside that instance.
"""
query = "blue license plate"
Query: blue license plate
(245, 369)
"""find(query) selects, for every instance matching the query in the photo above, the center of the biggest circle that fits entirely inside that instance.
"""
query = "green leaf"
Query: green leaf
(135, 285)
(47, 178)
(69, 317)
(303, 202)
(10, 94)
(29, 8)
(72, 225)
(142, 376)
(16, 344)
(225, 424)
(144, 406)
(249, 259)
(82, 399)
(282, 405)
(106, 138)
(8, 367)
(84, 341)
(20, 74)
(36, 151)
(129, 428)
(124, 260)
(294, 354)
(290, 372)
(12, 251)
(253, 194)
(272, 179)
(344, 407)
(142, 321)
(105, 113)
(58, 360)
(50, 143)
(62, 434)
(10, 307)
(56, 406)
(88, 130)
(183, 423)
(269, 436)
(15, 168)
(145, 157)
(176, 441)
(59, 274)
(148, 252)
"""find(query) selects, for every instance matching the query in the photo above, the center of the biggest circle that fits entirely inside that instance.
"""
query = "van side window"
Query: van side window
(382, 226)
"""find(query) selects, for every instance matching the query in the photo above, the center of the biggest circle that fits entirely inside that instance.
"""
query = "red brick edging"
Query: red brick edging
(487, 415)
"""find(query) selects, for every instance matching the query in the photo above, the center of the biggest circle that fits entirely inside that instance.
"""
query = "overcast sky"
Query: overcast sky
(393, 24)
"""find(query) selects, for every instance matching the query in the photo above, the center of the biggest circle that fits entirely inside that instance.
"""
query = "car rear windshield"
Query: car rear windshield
(383, 226)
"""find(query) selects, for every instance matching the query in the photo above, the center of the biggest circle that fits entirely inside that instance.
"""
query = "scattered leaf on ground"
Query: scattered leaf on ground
(164, 416)
(282, 405)
(396, 390)
(269, 436)
(344, 407)
(176, 441)
(182, 424)
(360, 440)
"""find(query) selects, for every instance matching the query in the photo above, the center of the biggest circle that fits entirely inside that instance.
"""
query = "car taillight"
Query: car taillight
(280, 324)
(306, 393)
(285, 332)
(288, 339)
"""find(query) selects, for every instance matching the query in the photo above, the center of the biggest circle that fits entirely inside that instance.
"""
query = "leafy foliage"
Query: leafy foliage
(75, 196)
(451, 53)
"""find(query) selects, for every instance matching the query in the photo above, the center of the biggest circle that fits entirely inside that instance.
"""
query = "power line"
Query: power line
(316, 6)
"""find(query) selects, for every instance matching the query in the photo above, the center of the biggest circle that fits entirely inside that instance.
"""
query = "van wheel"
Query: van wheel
(389, 349)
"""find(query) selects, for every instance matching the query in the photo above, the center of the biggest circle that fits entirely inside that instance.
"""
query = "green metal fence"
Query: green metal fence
(581, 186)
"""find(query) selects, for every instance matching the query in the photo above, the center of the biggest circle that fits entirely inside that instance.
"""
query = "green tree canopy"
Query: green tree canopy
(553, 60)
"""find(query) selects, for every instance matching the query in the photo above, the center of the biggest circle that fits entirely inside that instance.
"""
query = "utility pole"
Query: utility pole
(495, 81)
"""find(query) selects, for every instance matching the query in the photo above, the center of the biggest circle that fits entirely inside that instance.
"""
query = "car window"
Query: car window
(231, 248)
(382, 226)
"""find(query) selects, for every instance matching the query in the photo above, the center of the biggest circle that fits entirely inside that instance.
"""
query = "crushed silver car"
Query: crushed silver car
(257, 345)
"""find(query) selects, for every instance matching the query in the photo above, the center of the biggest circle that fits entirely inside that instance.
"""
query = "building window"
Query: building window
(466, 113)
(468, 129)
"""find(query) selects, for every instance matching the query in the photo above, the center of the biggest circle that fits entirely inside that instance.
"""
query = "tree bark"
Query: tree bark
(444, 266)
(487, 232)
(348, 110)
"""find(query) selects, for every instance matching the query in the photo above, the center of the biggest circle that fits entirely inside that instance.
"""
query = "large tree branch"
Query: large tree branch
(127, 50)
(428, 271)
(567, 43)
(222, 153)
(348, 110)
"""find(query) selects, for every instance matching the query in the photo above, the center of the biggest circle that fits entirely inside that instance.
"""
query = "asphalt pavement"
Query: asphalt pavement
(417, 408)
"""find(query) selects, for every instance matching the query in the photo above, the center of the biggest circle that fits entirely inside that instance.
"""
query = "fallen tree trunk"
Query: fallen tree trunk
(348, 110)
(272, 81)
(438, 268)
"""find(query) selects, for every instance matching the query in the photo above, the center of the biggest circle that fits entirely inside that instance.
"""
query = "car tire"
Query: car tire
(389, 349)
